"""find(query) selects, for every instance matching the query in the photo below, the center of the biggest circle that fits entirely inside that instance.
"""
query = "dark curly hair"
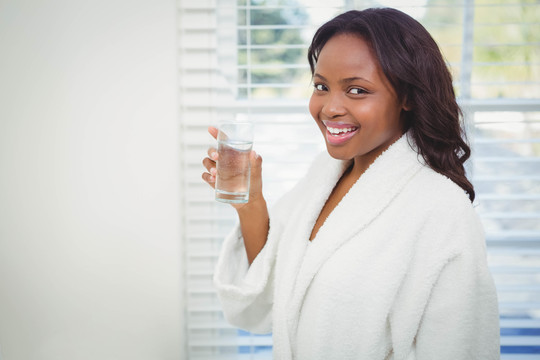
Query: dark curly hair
(414, 65)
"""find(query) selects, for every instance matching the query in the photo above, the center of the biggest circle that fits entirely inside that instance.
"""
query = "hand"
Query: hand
(255, 189)
(210, 161)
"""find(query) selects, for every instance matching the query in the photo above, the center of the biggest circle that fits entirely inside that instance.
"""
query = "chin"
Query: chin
(338, 154)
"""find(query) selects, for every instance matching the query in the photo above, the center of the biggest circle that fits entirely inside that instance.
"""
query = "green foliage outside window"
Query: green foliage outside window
(505, 46)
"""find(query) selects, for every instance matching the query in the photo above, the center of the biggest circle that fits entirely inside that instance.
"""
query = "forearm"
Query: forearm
(254, 224)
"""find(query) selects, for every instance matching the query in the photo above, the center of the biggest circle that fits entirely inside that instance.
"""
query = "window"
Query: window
(248, 58)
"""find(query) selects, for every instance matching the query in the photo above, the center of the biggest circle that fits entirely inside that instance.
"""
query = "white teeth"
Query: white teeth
(335, 131)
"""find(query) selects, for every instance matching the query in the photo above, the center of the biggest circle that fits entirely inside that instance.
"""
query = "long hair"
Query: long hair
(414, 65)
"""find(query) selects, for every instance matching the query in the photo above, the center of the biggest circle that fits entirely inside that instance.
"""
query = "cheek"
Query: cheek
(380, 118)
(393, 121)
(314, 107)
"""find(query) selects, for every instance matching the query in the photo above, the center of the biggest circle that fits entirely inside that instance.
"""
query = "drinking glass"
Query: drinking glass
(235, 140)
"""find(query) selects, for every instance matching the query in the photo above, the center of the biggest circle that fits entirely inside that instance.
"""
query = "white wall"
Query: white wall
(90, 258)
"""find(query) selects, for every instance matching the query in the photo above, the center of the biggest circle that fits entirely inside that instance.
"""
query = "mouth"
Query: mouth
(338, 133)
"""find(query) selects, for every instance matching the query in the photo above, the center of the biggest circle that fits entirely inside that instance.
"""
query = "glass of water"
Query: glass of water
(235, 140)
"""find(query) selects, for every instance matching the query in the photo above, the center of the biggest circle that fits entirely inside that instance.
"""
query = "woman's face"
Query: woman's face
(353, 103)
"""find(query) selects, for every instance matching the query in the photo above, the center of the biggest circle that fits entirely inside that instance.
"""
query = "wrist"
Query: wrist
(254, 205)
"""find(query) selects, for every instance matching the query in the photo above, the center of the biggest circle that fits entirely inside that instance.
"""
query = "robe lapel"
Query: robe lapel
(369, 196)
(314, 193)
(303, 219)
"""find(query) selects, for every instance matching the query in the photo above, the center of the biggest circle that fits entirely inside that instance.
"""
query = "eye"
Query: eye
(357, 91)
(320, 87)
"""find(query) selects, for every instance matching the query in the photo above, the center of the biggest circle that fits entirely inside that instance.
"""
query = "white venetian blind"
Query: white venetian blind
(504, 98)
(248, 57)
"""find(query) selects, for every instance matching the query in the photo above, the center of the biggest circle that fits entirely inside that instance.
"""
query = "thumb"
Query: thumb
(256, 170)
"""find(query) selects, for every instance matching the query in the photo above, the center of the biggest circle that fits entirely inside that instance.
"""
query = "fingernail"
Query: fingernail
(213, 155)
(213, 171)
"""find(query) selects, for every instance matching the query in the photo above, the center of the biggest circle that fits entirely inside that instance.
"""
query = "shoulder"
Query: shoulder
(429, 187)
(444, 211)
(442, 195)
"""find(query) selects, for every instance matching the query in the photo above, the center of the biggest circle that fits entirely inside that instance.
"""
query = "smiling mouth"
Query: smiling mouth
(338, 131)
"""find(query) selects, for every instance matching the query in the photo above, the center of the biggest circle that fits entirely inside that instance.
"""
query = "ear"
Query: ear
(405, 104)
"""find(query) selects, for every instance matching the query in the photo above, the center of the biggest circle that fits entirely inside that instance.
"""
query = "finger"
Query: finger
(212, 153)
(213, 131)
(209, 164)
(211, 180)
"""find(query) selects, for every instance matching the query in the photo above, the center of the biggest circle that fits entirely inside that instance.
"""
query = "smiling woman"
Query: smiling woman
(231, 66)
(378, 250)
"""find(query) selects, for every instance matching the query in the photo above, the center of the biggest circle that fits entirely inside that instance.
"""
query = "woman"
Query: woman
(377, 253)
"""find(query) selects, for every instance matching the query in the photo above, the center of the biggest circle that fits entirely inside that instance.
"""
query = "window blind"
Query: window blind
(248, 58)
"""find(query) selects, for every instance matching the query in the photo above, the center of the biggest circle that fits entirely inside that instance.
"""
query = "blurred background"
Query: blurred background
(90, 259)
(108, 237)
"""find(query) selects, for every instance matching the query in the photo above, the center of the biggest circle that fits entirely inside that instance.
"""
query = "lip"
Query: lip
(340, 138)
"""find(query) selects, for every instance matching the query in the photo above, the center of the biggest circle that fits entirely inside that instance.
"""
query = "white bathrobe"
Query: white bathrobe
(397, 271)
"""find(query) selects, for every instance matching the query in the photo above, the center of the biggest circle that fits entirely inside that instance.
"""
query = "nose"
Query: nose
(333, 106)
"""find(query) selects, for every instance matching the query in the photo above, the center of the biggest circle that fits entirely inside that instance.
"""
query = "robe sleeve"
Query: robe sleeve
(246, 292)
(461, 318)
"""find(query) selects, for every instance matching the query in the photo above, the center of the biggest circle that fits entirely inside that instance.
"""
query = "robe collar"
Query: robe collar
(367, 198)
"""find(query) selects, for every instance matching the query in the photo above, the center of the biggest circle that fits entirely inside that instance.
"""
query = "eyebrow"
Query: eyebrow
(346, 80)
